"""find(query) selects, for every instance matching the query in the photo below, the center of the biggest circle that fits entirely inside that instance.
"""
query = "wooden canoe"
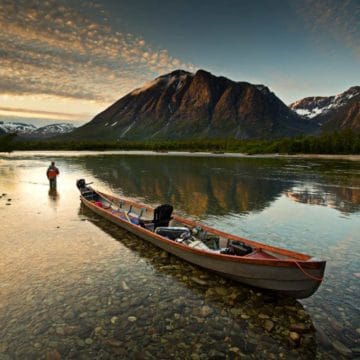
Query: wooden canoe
(263, 266)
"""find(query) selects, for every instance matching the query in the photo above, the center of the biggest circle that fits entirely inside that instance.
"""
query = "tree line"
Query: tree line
(343, 142)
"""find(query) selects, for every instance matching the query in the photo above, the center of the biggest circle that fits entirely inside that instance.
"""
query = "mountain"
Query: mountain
(53, 130)
(182, 105)
(16, 127)
(337, 112)
(31, 131)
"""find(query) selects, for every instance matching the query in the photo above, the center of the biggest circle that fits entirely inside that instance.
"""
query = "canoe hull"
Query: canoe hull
(272, 275)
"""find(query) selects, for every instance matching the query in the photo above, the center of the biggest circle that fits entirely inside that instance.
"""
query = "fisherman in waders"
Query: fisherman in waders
(51, 173)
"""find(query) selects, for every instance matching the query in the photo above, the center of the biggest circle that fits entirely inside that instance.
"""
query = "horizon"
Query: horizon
(65, 61)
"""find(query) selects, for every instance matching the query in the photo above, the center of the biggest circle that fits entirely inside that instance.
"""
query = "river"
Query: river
(75, 286)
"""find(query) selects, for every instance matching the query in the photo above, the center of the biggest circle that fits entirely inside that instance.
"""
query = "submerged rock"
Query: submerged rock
(88, 341)
(268, 325)
(124, 285)
(3, 347)
(205, 311)
(53, 355)
(114, 319)
(299, 327)
(342, 349)
(294, 336)
(198, 281)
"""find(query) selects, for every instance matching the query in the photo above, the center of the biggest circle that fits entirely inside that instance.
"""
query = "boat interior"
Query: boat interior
(161, 222)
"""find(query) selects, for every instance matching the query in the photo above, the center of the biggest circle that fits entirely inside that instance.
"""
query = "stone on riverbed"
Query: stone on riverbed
(205, 311)
(294, 336)
(124, 285)
(342, 349)
(268, 325)
(114, 319)
(88, 341)
(53, 355)
(198, 281)
(3, 347)
(299, 327)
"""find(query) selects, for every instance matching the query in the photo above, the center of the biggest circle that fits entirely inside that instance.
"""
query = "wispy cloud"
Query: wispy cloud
(340, 19)
(56, 48)
(5, 110)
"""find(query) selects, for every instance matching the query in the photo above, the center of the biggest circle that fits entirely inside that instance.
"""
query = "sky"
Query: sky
(67, 60)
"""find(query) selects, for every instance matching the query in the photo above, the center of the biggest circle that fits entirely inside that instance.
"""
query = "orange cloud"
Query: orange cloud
(55, 49)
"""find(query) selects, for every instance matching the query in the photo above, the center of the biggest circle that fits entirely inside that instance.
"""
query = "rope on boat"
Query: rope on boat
(307, 274)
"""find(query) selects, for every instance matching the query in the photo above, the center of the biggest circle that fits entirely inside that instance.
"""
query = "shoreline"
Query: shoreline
(79, 153)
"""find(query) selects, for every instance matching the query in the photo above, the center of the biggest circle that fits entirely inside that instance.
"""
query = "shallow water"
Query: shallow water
(74, 286)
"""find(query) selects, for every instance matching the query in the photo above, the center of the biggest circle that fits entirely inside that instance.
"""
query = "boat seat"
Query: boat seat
(162, 215)
(90, 195)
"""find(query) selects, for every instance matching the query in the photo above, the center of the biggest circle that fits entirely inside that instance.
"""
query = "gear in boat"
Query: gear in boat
(194, 237)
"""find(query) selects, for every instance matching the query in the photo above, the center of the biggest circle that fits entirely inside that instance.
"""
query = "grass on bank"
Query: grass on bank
(344, 142)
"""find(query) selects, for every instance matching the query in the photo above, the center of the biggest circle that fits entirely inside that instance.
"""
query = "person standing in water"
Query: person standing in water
(52, 173)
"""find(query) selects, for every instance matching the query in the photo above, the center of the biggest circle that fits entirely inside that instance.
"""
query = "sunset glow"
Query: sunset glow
(72, 59)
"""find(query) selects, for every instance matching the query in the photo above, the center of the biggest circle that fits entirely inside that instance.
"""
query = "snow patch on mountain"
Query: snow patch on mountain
(311, 107)
(17, 127)
(55, 129)
(33, 131)
(175, 78)
(264, 89)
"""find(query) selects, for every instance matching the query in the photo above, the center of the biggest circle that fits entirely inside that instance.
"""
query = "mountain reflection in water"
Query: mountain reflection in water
(346, 200)
(214, 186)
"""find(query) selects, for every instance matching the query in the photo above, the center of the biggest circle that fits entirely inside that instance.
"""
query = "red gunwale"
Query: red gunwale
(299, 258)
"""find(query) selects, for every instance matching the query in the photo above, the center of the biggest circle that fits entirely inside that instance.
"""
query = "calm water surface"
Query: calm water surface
(75, 286)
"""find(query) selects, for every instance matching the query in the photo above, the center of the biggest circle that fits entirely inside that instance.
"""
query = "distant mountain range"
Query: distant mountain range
(337, 112)
(31, 131)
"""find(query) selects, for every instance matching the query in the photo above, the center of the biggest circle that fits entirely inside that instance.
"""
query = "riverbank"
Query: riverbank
(59, 153)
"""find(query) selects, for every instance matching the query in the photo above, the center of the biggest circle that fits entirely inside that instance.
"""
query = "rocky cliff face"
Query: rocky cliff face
(337, 112)
(182, 105)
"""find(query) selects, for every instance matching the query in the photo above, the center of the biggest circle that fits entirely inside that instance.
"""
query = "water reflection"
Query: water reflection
(215, 186)
(196, 186)
(344, 199)
(53, 195)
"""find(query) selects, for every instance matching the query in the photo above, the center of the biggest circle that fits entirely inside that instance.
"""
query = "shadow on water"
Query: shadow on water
(222, 316)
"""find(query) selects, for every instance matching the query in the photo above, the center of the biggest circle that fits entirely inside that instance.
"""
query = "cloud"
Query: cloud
(41, 113)
(339, 19)
(53, 47)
